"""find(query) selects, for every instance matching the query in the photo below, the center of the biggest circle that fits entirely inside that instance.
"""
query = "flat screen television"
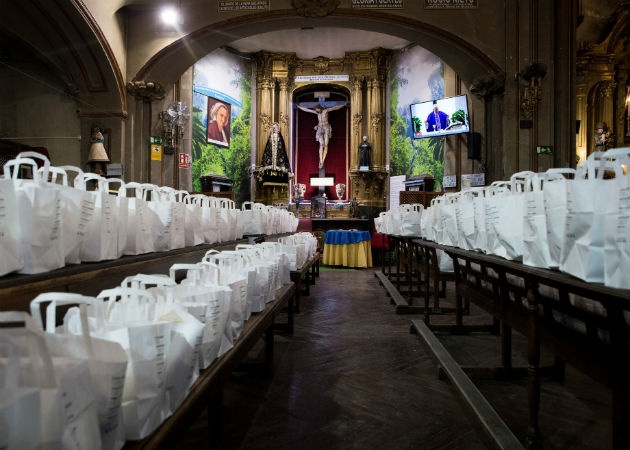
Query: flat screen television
(450, 117)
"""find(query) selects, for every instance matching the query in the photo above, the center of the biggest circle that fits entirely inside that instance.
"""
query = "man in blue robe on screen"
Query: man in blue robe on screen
(437, 120)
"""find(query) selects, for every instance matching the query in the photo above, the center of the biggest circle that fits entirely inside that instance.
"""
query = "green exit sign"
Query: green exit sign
(544, 149)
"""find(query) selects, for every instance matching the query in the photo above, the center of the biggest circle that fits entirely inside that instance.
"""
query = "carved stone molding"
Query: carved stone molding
(376, 119)
(369, 187)
(265, 122)
(265, 83)
(356, 122)
(283, 84)
(607, 89)
(315, 8)
(356, 82)
(284, 119)
(321, 65)
(377, 83)
(488, 86)
(146, 90)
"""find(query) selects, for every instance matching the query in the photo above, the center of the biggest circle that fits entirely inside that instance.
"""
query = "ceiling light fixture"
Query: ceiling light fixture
(170, 15)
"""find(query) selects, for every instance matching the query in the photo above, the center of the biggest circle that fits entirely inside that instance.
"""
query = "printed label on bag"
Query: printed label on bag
(623, 215)
(106, 208)
(110, 422)
(3, 217)
(56, 228)
(87, 211)
(160, 362)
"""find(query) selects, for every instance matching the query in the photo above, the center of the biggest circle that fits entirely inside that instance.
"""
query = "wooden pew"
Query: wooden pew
(585, 324)
(304, 277)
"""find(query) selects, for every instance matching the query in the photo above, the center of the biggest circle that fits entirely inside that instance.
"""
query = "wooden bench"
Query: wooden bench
(585, 324)
(206, 390)
(417, 266)
(304, 277)
(17, 291)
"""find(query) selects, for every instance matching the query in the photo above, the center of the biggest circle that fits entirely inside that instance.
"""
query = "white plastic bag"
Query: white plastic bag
(107, 361)
(67, 417)
(411, 220)
(38, 206)
(589, 198)
(555, 190)
(194, 228)
(201, 295)
(20, 418)
(617, 239)
(147, 343)
(182, 363)
(252, 219)
(140, 230)
(101, 232)
(535, 235)
(10, 240)
(122, 210)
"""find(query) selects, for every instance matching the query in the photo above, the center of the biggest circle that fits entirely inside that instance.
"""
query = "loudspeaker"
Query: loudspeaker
(577, 127)
(474, 145)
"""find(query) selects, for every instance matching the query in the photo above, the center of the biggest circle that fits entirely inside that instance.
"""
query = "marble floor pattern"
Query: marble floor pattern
(353, 377)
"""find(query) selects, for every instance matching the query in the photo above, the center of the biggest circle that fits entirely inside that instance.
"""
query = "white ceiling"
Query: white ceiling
(321, 41)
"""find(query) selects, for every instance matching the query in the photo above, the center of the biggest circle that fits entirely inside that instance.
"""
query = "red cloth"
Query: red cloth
(307, 154)
(377, 240)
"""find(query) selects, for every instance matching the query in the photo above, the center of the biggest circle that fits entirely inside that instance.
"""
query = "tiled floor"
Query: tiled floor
(352, 377)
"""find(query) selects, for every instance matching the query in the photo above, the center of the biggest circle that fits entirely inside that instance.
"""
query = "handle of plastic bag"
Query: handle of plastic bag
(58, 299)
(137, 187)
(207, 265)
(77, 183)
(36, 346)
(17, 162)
(522, 179)
(122, 190)
(562, 171)
(188, 267)
(55, 298)
(27, 158)
(142, 280)
(148, 187)
(124, 293)
(53, 173)
(89, 176)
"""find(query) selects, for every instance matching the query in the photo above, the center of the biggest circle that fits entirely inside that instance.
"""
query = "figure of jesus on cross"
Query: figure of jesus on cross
(323, 130)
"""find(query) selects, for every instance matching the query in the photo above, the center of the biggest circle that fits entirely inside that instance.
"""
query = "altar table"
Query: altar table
(348, 248)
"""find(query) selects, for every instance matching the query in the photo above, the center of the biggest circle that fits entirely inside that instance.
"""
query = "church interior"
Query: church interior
(392, 224)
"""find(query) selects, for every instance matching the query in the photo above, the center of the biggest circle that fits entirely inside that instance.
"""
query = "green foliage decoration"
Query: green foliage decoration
(412, 156)
(417, 123)
(234, 161)
(459, 116)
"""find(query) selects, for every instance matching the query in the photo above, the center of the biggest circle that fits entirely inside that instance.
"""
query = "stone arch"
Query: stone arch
(169, 63)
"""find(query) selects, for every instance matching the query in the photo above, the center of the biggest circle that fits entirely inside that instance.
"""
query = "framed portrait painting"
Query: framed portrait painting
(219, 118)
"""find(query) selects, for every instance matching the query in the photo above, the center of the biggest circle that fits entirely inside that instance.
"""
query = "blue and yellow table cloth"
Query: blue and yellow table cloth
(348, 248)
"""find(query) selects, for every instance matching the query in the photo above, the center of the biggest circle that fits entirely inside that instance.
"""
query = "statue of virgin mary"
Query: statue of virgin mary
(275, 167)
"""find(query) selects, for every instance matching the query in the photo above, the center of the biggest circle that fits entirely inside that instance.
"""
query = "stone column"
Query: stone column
(377, 123)
(356, 110)
(265, 113)
(283, 107)
(369, 110)
(141, 167)
(606, 92)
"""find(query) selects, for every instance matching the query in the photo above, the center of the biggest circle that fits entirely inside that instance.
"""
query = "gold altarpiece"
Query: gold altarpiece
(367, 84)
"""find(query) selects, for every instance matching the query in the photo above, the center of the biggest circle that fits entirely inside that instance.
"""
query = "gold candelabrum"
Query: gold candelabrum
(531, 88)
